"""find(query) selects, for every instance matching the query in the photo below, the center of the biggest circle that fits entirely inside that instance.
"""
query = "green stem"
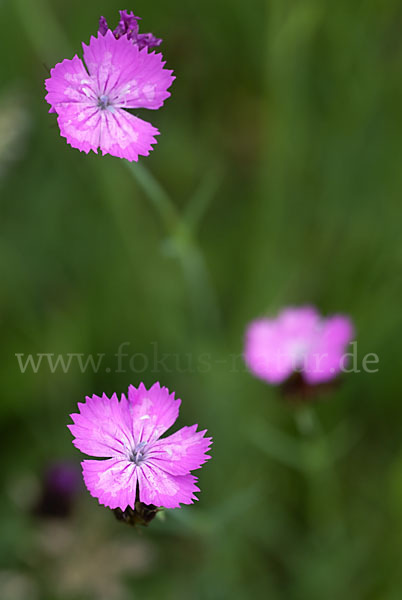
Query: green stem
(324, 495)
(195, 271)
(181, 244)
(156, 195)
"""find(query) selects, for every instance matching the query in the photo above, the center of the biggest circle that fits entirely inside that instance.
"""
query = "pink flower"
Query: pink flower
(127, 434)
(299, 339)
(91, 102)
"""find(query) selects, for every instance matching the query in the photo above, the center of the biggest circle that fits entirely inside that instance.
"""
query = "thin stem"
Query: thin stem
(318, 460)
(306, 421)
(201, 199)
(155, 194)
(181, 244)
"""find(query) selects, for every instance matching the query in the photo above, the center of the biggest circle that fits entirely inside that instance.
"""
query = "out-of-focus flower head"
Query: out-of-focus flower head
(91, 100)
(126, 434)
(299, 341)
(60, 486)
(128, 25)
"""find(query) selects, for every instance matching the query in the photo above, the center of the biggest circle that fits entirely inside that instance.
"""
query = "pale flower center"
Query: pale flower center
(298, 350)
(139, 454)
(103, 102)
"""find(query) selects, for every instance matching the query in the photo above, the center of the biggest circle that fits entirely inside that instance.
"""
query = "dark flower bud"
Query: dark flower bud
(142, 515)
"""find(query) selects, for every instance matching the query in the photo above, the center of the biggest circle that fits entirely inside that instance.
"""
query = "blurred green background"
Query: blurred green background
(281, 149)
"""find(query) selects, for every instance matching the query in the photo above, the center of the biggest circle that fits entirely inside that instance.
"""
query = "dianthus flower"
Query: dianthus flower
(91, 101)
(298, 340)
(126, 434)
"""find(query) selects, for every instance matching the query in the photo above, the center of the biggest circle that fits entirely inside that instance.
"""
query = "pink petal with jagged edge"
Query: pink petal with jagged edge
(113, 482)
(81, 125)
(103, 427)
(153, 411)
(115, 131)
(181, 452)
(69, 82)
(126, 136)
(162, 489)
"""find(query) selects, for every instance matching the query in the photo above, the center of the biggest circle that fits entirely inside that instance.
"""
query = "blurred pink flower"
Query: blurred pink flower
(127, 434)
(90, 101)
(298, 340)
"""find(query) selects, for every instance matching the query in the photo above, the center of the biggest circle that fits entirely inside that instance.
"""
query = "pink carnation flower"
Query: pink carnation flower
(91, 101)
(298, 340)
(127, 435)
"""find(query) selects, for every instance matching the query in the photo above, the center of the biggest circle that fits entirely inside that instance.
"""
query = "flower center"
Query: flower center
(297, 350)
(103, 102)
(138, 455)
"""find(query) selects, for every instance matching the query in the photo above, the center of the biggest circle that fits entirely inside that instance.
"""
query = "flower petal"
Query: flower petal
(81, 125)
(299, 323)
(265, 353)
(144, 83)
(103, 427)
(113, 482)
(163, 489)
(324, 361)
(130, 77)
(69, 82)
(181, 452)
(153, 411)
(115, 131)
(126, 136)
